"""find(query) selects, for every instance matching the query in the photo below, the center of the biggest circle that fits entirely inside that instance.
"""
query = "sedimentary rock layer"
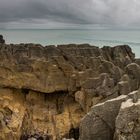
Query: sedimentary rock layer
(46, 91)
(115, 119)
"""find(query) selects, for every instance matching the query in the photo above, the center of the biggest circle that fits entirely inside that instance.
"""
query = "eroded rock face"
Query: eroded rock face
(115, 119)
(73, 64)
(31, 114)
(46, 91)
(128, 121)
(99, 124)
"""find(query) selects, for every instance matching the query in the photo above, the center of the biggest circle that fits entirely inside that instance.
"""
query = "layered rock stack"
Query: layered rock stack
(46, 91)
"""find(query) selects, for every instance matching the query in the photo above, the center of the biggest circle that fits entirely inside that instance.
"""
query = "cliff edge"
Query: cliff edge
(46, 91)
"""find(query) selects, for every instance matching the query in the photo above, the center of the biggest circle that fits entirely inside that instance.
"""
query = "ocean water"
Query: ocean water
(98, 37)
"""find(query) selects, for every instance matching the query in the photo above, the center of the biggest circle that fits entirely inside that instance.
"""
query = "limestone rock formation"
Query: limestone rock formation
(99, 124)
(128, 121)
(46, 91)
(115, 119)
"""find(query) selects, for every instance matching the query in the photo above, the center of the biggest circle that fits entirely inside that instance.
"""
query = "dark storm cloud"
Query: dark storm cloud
(60, 10)
(70, 11)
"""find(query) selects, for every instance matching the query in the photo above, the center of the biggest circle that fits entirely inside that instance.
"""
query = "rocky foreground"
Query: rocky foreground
(69, 92)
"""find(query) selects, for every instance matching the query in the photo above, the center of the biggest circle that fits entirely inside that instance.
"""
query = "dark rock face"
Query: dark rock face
(46, 91)
(2, 41)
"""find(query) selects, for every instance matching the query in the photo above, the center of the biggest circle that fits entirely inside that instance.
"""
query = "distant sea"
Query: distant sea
(98, 37)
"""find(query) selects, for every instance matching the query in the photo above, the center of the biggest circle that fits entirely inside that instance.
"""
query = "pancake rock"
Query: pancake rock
(46, 91)
(115, 119)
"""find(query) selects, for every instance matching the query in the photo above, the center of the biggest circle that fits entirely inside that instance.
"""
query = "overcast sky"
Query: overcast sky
(68, 13)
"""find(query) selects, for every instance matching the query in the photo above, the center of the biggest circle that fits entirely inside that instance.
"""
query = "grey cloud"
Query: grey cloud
(119, 12)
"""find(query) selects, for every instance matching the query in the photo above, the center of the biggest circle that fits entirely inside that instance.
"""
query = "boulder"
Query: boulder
(128, 121)
(99, 123)
(115, 119)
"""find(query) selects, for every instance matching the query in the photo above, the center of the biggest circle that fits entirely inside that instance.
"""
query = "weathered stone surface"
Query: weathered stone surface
(99, 124)
(120, 55)
(128, 121)
(45, 91)
(115, 119)
(35, 115)
(41, 68)
(133, 71)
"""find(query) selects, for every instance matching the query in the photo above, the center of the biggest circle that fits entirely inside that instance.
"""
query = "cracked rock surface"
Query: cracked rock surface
(46, 91)
(115, 119)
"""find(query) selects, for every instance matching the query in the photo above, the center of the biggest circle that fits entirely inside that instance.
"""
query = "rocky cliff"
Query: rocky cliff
(46, 91)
